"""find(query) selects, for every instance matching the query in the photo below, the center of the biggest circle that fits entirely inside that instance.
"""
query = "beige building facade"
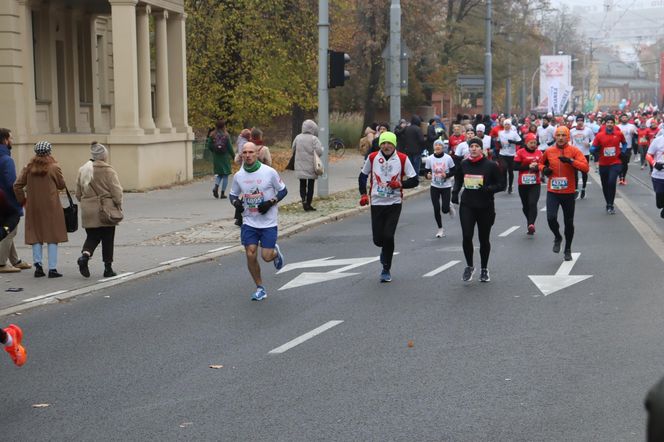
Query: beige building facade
(114, 71)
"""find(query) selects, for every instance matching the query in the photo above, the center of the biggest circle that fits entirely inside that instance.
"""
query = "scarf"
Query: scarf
(253, 168)
(476, 160)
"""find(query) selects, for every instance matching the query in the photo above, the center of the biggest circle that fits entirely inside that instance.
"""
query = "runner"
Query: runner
(10, 338)
(261, 189)
(655, 158)
(608, 144)
(439, 169)
(629, 131)
(582, 137)
(545, 134)
(526, 162)
(507, 140)
(461, 151)
(481, 178)
(644, 136)
(387, 169)
(560, 164)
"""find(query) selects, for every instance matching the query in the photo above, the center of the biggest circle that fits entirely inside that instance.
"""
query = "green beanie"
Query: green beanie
(388, 137)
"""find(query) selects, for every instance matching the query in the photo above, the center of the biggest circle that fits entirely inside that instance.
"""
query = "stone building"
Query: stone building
(114, 71)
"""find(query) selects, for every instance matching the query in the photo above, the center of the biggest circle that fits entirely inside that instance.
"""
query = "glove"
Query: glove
(455, 197)
(394, 183)
(565, 160)
(238, 205)
(659, 166)
(547, 171)
(364, 200)
(265, 206)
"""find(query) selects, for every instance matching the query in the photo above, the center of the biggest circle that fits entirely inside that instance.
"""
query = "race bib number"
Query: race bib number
(643, 141)
(384, 191)
(559, 183)
(473, 182)
(438, 180)
(609, 151)
(529, 178)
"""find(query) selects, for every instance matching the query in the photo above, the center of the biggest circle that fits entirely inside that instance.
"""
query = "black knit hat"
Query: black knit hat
(476, 140)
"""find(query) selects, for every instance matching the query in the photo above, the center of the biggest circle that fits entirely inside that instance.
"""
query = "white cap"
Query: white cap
(507, 121)
(480, 128)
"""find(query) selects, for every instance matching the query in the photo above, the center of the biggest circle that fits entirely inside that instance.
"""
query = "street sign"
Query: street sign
(470, 83)
(549, 284)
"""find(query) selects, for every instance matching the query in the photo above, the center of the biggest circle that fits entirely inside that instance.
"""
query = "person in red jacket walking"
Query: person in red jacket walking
(609, 144)
(560, 163)
(526, 162)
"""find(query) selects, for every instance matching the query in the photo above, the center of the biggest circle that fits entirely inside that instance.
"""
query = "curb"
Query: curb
(63, 295)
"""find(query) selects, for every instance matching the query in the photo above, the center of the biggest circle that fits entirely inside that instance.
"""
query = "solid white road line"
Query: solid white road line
(508, 231)
(219, 249)
(173, 260)
(113, 278)
(440, 269)
(305, 337)
(48, 295)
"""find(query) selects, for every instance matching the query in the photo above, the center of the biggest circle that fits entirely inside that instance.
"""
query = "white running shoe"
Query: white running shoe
(452, 211)
(440, 233)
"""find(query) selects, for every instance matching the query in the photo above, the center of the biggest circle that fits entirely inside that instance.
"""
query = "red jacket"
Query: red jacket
(645, 135)
(525, 158)
(563, 178)
(608, 146)
(455, 140)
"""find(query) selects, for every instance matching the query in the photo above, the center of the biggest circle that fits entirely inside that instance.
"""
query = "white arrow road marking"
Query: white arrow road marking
(320, 262)
(508, 231)
(549, 284)
(440, 269)
(305, 337)
(307, 278)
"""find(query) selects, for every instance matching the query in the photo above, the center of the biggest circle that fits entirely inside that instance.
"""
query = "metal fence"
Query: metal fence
(202, 159)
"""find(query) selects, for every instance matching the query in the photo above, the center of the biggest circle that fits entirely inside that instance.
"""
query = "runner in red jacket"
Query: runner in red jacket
(609, 144)
(526, 161)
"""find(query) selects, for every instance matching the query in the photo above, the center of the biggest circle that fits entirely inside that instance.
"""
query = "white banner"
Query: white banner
(565, 98)
(554, 97)
(556, 71)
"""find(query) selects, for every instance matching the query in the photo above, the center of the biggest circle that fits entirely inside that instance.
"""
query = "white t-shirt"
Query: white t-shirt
(439, 166)
(629, 130)
(486, 142)
(506, 147)
(545, 136)
(256, 187)
(656, 149)
(381, 172)
(462, 150)
(582, 139)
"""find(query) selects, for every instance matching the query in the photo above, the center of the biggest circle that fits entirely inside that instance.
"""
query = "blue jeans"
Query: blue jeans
(52, 255)
(416, 161)
(609, 177)
(223, 179)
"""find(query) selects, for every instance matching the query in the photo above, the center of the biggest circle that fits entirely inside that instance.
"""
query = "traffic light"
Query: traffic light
(338, 74)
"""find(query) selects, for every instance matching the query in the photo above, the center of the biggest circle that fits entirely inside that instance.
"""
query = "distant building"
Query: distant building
(618, 80)
(74, 71)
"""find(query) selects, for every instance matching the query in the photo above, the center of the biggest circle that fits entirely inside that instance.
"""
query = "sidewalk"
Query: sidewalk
(164, 229)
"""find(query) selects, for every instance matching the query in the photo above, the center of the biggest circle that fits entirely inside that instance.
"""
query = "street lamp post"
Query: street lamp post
(532, 88)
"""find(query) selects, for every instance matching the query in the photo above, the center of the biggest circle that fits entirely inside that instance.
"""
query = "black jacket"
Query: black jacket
(492, 183)
(413, 138)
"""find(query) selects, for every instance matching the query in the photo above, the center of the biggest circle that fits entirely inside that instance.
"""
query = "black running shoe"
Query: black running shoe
(468, 273)
(556, 245)
(484, 275)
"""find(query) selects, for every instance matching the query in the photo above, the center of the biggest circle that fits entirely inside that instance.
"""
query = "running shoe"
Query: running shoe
(385, 276)
(468, 273)
(259, 295)
(279, 260)
(583, 193)
(16, 350)
(621, 181)
(556, 245)
(643, 167)
(453, 211)
(568, 255)
(661, 214)
(531, 229)
(637, 159)
(484, 275)
(440, 233)
(611, 210)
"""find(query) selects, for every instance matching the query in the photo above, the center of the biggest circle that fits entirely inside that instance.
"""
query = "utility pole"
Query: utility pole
(508, 82)
(395, 63)
(523, 90)
(488, 78)
(323, 98)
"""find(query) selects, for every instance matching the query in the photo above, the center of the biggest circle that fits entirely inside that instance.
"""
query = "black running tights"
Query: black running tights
(440, 198)
(484, 218)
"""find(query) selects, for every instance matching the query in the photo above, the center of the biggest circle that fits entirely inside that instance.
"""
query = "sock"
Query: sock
(10, 341)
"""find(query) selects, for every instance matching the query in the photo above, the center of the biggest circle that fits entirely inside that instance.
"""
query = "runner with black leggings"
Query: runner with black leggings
(439, 169)
(560, 163)
(481, 178)
(526, 162)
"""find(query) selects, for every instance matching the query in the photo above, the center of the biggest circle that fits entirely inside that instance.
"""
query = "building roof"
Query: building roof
(632, 83)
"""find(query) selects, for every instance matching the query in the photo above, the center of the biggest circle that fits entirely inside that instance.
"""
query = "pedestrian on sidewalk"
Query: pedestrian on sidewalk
(44, 217)
(219, 143)
(386, 169)
(97, 188)
(7, 179)
(262, 151)
(304, 145)
(244, 136)
(260, 188)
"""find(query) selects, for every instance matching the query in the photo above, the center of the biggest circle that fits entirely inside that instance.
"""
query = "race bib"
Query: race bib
(438, 180)
(559, 183)
(643, 141)
(384, 191)
(529, 178)
(609, 151)
(473, 182)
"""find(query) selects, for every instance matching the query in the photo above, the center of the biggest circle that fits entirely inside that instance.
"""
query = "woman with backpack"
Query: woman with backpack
(219, 143)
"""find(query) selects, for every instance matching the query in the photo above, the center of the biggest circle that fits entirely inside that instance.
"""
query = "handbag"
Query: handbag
(318, 165)
(71, 214)
(291, 162)
(109, 213)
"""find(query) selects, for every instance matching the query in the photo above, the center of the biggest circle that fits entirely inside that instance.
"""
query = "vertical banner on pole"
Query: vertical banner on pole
(555, 75)
(660, 100)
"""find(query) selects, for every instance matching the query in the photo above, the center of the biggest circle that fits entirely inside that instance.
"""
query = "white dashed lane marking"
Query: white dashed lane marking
(173, 260)
(305, 337)
(508, 231)
(442, 268)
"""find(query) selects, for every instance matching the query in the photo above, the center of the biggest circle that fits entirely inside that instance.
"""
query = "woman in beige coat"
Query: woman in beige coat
(304, 145)
(44, 218)
(97, 181)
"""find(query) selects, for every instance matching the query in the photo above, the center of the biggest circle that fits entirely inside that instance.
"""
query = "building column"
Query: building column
(71, 69)
(50, 18)
(125, 73)
(28, 66)
(177, 71)
(144, 73)
(162, 98)
(96, 125)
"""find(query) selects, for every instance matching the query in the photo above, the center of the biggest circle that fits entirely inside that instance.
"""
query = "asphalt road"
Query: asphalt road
(496, 361)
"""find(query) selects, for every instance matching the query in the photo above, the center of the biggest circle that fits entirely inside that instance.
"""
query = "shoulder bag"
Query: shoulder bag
(109, 213)
(71, 214)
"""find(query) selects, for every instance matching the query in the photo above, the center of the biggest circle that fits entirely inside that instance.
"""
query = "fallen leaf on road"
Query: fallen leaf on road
(40, 405)
(216, 366)
(410, 344)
